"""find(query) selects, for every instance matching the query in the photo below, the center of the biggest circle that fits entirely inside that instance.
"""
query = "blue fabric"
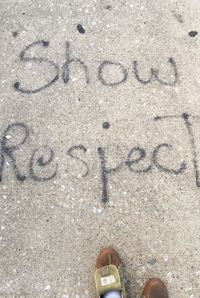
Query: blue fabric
(112, 294)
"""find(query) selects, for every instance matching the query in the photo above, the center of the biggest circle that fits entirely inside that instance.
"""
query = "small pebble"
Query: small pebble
(106, 125)
(193, 33)
(80, 29)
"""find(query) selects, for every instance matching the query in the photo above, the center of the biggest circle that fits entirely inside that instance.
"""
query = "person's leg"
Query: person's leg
(155, 288)
(112, 294)
(108, 275)
(109, 278)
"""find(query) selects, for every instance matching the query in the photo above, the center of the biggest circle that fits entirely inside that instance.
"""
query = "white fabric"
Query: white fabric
(112, 294)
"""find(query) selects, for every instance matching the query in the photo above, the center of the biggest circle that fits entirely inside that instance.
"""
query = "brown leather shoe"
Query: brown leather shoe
(109, 273)
(155, 288)
(105, 254)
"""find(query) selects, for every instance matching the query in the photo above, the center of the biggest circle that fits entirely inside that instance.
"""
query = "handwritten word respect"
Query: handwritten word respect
(65, 70)
(42, 165)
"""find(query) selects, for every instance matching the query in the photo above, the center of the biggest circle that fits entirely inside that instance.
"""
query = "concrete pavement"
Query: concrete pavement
(100, 118)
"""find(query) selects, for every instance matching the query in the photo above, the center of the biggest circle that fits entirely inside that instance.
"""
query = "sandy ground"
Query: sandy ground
(100, 144)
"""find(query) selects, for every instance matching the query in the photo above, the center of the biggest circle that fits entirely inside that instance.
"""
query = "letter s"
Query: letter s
(44, 44)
